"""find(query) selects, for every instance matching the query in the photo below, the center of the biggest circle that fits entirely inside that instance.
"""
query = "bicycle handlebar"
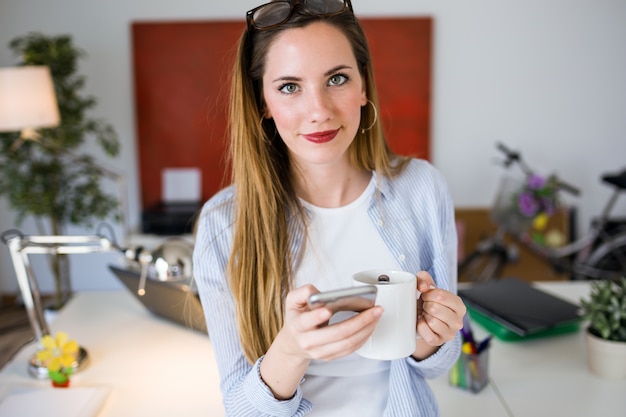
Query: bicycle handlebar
(515, 157)
(510, 155)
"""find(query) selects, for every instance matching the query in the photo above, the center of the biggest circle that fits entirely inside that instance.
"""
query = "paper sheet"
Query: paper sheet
(181, 185)
(54, 402)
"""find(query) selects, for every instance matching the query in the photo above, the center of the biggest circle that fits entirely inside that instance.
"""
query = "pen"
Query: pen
(484, 344)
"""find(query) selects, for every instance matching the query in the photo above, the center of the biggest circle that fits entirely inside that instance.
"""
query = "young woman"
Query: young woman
(317, 195)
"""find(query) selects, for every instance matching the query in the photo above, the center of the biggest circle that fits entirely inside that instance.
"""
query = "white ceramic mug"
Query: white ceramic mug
(395, 334)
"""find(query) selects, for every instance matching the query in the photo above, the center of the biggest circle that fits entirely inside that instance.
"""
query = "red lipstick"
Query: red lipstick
(321, 137)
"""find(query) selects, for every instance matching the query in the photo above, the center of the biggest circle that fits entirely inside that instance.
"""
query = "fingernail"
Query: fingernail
(378, 311)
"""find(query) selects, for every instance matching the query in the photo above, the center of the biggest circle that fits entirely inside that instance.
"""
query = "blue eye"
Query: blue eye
(338, 79)
(289, 88)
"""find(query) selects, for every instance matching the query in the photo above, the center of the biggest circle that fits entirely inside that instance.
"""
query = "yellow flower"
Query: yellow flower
(540, 221)
(59, 353)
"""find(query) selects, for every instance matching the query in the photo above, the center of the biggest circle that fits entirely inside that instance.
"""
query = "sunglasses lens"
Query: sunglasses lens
(271, 14)
(325, 7)
(277, 12)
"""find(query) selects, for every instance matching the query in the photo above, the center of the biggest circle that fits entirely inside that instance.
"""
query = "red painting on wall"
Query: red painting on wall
(181, 80)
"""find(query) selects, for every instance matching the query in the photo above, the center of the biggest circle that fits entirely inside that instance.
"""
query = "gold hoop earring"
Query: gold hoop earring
(363, 130)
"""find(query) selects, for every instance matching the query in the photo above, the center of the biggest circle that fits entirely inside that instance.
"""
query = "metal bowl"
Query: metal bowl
(171, 260)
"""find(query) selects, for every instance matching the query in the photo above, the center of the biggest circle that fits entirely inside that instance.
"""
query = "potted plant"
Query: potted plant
(47, 178)
(605, 309)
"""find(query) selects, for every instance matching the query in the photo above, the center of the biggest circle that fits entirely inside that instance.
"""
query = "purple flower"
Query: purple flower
(537, 195)
(536, 182)
(527, 204)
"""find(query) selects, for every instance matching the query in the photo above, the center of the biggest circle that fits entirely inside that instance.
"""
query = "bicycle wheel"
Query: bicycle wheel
(607, 261)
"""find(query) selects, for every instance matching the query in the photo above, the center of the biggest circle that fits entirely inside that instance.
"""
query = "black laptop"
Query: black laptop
(514, 309)
(171, 300)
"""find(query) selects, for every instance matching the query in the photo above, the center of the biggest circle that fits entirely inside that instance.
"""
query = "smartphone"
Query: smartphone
(345, 299)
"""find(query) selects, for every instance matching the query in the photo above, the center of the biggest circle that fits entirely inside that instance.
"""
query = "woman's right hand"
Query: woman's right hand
(305, 336)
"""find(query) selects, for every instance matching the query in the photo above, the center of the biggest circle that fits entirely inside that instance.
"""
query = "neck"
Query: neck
(331, 187)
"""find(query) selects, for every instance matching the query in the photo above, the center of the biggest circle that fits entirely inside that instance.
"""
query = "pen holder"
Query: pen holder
(471, 371)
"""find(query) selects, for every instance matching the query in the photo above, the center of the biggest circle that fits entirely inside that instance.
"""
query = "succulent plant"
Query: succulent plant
(606, 309)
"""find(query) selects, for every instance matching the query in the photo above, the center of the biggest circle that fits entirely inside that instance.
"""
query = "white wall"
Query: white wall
(546, 77)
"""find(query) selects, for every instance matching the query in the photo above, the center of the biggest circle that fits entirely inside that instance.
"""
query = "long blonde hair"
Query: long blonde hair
(267, 212)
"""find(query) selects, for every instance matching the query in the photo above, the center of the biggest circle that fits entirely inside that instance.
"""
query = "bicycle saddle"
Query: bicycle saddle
(618, 180)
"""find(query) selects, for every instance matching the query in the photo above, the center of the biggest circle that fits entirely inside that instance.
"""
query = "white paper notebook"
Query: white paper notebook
(54, 402)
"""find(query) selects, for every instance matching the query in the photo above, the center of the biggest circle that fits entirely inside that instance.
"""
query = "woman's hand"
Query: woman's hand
(439, 315)
(305, 336)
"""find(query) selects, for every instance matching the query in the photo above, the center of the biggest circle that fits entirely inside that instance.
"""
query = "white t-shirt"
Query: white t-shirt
(343, 241)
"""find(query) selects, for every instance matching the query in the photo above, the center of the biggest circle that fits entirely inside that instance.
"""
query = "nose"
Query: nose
(320, 106)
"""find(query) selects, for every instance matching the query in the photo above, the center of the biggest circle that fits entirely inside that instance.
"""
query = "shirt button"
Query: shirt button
(401, 258)
(380, 222)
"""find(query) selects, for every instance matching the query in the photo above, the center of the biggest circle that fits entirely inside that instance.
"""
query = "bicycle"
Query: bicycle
(599, 254)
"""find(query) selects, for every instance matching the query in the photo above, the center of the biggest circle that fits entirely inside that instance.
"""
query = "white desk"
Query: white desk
(156, 368)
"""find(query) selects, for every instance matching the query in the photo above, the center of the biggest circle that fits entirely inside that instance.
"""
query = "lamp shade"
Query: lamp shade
(27, 99)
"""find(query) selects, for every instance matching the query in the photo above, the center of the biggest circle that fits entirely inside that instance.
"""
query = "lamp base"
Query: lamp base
(36, 369)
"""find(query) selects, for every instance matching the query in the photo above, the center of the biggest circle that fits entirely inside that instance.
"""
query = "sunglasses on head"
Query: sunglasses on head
(271, 15)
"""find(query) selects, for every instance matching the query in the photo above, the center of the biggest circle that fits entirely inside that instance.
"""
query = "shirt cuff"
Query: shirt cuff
(451, 348)
(259, 394)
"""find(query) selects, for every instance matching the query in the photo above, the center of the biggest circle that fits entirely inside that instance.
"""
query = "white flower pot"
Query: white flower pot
(606, 358)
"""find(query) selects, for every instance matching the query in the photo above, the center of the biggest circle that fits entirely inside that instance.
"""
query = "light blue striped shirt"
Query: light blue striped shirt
(415, 218)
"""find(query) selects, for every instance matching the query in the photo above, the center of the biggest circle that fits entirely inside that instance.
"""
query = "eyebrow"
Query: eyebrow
(326, 74)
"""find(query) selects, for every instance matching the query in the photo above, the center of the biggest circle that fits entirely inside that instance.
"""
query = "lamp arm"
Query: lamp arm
(29, 289)
(20, 246)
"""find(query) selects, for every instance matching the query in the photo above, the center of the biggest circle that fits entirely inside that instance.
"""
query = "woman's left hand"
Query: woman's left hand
(439, 312)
